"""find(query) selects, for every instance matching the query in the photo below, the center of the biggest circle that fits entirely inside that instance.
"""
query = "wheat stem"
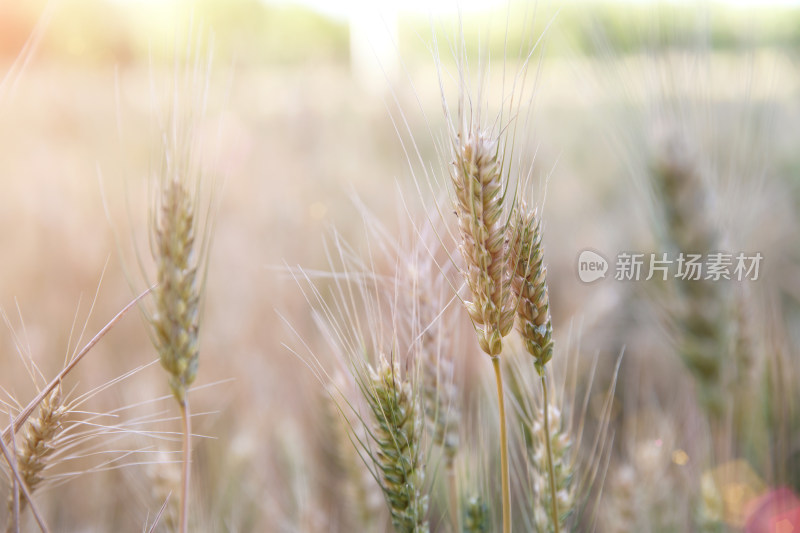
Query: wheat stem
(551, 469)
(187, 462)
(503, 448)
(452, 497)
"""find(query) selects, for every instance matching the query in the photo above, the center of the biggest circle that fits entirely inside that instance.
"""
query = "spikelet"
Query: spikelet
(476, 515)
(479, 189)
(38, 444)
(561, 449)
(529, 287)
(397, 432)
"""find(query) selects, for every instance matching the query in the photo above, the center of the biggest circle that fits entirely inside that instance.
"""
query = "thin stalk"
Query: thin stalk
(550, 468)
(187, 456)
(503, 448)
(453, 496)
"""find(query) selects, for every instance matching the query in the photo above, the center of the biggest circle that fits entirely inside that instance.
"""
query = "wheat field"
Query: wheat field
(247, 286)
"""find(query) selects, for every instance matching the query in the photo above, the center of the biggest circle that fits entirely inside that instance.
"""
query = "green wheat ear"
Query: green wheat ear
(397, 434)
(529, 286)
(476, 515)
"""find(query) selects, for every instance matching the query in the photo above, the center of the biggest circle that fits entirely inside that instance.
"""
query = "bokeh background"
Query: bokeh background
(315, 110)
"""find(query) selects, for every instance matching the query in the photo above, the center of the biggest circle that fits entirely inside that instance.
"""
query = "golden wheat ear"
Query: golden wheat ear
(479, 187)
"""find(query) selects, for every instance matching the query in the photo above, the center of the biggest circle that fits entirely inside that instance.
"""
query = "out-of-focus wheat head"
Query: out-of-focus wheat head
(164, 475)
(703, 313)
(476, 515)
(424, 302)
(579, 457)
(354, 484)
(180, 234)
(560, 447)
(177, 294)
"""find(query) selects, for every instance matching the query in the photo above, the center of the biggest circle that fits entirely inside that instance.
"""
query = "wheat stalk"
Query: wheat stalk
(479, 186)
(175, 319)
(180, 235)
(529, 286)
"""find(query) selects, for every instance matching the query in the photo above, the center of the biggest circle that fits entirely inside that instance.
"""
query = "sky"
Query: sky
(343, 8)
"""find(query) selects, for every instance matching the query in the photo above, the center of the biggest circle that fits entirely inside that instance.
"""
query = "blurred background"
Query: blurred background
(317, 107)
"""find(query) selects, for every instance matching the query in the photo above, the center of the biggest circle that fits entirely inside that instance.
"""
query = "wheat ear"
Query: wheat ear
(552, 449)
(476, 515)
(396, 432)
(479, 186)
(529, 287)
(176, 315)
(352, 474)
(704, 314)
(41, 432)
